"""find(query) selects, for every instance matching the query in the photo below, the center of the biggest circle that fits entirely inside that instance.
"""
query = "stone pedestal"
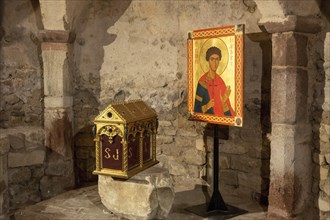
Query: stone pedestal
(147, 195)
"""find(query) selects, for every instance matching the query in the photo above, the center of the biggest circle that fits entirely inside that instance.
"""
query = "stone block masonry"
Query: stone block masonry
(22, 161)
(20, 71)
(26, 158)
(30, 172)
(289, 84)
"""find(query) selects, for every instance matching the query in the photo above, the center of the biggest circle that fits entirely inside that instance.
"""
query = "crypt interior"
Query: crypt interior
(63, 61)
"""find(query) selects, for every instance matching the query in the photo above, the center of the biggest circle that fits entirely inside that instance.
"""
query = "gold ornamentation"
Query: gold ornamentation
(127, 120)
(97, 152)
(110, 131)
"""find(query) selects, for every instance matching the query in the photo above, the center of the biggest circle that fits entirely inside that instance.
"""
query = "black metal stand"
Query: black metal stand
(216, 206)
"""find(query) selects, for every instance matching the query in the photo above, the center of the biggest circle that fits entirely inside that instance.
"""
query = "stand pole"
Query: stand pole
(216, 207)
(217, 202)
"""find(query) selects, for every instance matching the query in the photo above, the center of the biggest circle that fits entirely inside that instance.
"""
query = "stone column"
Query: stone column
(290, 164)
(56, 47)
(58, 114)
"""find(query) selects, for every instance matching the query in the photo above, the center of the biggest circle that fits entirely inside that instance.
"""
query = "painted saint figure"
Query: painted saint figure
(212, 94)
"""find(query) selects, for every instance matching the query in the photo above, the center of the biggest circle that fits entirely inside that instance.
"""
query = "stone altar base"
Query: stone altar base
(147, 195)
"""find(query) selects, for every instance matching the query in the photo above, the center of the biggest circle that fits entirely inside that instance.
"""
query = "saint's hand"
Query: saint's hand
(227, 93)
(210, 104)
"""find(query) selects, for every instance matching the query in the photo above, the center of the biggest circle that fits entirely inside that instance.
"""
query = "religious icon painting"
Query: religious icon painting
(215, 75)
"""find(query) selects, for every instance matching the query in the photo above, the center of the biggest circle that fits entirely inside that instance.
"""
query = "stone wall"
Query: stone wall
(21, 79)
(324, 184)
(22, 149)
(320, 66)
(127, 50)
(22, 165)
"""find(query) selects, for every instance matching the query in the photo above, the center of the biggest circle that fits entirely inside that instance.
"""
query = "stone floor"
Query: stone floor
(84, 203)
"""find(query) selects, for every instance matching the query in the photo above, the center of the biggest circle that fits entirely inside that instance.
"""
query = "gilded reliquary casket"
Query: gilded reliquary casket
(125, 138)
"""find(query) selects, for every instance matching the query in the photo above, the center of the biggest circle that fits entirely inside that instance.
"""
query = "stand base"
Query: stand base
(216, 202)
(201, 210)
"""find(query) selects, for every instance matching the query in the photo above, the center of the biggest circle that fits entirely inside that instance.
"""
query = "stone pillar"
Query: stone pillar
(56, 46)
(58, 114)
(290, 164)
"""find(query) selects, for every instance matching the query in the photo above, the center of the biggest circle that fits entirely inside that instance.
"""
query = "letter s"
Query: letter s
(130, 154)
(107, 152)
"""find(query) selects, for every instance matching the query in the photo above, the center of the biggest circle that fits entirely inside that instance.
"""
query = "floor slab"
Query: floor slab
(85, 203)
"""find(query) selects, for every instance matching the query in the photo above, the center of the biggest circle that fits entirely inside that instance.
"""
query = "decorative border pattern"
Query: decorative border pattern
(212, 118)
(214, 32)
(239, 74)
(190, 75)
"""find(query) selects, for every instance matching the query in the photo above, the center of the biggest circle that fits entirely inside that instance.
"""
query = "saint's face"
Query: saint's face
(214, 62)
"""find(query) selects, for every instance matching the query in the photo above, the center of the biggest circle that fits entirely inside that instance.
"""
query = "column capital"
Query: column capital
(56, 36)
(295, 55)
(58, 101)
(292, 23)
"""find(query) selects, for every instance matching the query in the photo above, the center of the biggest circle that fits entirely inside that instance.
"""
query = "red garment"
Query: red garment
(216, 88)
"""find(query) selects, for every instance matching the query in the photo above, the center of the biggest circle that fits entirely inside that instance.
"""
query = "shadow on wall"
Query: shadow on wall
(36, 7)
(325, 8)
(84, 157)
(91, 28)
(266, 48)
(91, 37)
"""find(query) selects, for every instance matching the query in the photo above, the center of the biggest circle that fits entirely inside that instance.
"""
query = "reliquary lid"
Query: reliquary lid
(126, 112)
